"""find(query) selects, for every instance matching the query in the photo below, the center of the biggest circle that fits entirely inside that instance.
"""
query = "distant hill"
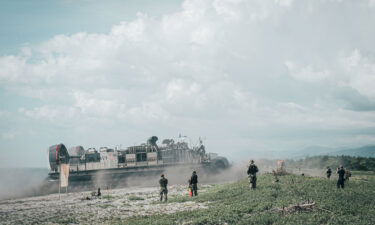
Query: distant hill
(357, 163)
(365, 151)
(305, 152)
(314, 150)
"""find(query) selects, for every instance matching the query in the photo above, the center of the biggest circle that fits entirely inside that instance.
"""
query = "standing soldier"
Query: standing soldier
(341, 180)
(163, 188)
(251, 172)
(194, 183)
(329, 172)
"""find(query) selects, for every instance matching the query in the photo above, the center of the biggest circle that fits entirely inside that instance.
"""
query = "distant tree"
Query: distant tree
(350, 162)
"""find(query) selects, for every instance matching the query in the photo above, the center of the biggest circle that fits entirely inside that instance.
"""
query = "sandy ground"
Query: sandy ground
(74, 208)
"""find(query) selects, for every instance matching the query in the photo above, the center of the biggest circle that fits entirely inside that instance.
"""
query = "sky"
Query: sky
(250, 77)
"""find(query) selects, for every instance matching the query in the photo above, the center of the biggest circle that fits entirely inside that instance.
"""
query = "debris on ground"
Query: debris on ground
(306, 206)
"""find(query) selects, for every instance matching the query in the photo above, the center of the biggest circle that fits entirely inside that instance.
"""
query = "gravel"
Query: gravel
(82, 208)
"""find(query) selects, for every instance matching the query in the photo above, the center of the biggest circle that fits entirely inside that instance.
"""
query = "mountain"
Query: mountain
(304, 152)
(365, 151)
(314, 150)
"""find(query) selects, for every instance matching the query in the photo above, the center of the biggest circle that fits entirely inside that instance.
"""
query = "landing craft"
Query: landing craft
(144, 159)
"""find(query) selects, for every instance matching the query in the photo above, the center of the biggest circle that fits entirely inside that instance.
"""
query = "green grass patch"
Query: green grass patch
(237, 204)
(135, 198)
(66, 220)
(108, 197)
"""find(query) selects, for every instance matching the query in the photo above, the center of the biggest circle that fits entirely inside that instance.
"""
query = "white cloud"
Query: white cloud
(230, 10)
(178, 88)
(285, 3)
(12, 68)
(92, 104)
(51, 113)
(360, 73)
(247, 69)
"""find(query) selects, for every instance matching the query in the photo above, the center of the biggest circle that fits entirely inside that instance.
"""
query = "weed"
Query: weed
(108, 197)
(135, 198)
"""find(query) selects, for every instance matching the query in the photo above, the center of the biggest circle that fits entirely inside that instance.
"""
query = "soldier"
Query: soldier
(163, 188)
(251, 172)
(341, 180)
(329, 172)
(193, 182)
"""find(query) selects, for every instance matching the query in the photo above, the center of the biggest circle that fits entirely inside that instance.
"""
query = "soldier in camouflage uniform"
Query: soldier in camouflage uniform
(163, 188)
(329, 172)
(251, 172)
(193, 182)
(341, 180)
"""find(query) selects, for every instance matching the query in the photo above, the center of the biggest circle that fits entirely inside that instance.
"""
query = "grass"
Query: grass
(237, 204)
(106, 206)
(135, 198)
(108, 197)
(65, 220)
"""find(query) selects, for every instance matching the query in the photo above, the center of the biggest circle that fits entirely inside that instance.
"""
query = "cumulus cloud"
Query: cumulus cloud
(249, 70)
(361, 73)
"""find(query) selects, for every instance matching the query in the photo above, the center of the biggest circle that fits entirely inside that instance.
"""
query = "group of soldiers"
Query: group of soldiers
(193, 186)
(343, 175)
(252, 170)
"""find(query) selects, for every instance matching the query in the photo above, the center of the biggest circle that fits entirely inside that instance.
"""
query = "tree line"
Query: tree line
(349, 162)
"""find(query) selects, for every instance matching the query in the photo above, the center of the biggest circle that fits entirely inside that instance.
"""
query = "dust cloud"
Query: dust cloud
(17, 183)
(22, 182)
